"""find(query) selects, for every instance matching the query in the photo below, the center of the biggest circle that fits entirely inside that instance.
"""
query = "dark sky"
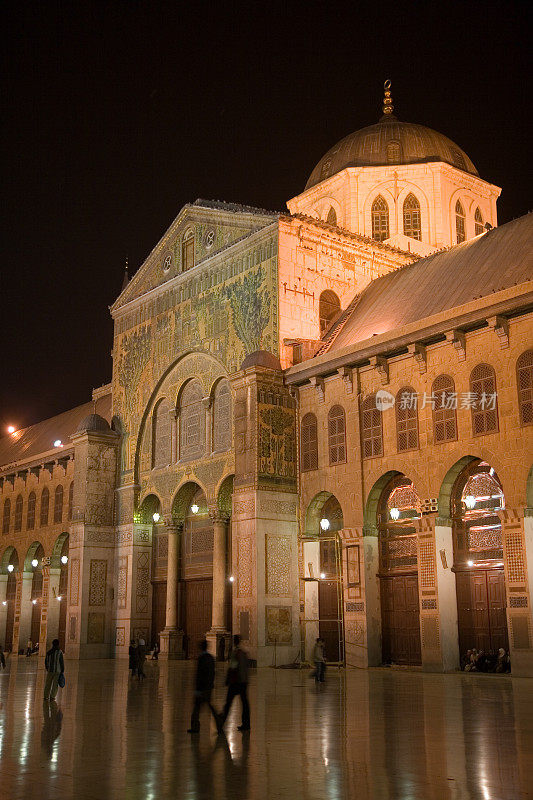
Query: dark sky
(115, 114)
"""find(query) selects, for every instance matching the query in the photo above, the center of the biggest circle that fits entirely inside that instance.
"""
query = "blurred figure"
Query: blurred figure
(319, 661)
(204, 683)
(141, 658)
(237, 683)
(29, 648)
(2, 658)
(132, 654)
(155, 652)
(54, 666)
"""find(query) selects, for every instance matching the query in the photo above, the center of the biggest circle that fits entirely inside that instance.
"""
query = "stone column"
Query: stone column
(3, 608)
(218, 617)
(518, 560)
(23, 611)
(50, 609)
(171, 637)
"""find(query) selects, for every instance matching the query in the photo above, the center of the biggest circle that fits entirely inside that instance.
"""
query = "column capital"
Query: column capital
(172, 525)
(216, 515)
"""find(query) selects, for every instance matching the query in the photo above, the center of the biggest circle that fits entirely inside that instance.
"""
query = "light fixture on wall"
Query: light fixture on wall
(58, 598)
(156, 517)
(394, 513)
(34, 602)
(195, 509)
(4, 602)
(470, 563)
(64, 559)
(58, 443)
(470, 502)
(324, 524)
(322, 575)
(231, 578)
(10, 567)
(34, 562)
(11, 429)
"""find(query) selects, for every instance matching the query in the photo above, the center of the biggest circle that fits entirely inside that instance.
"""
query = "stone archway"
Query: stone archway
(9, 566)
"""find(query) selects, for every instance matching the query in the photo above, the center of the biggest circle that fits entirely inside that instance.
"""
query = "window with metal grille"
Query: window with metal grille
(371, 428)
(187, 252)
(19, 504)
(7, 517)
(329, 307)
(309, 443)
(460, 229)
(478, 222)
(192, 422)
(411, 217)
(45, 504)
(30, 512)
(337, 435)
(58, 504)
(332, 216)
(70, 500)
(380, 219)
(524, 381)
(222, 423)
(485, 404)
(444, 409)
(406, 419)
(161, 435)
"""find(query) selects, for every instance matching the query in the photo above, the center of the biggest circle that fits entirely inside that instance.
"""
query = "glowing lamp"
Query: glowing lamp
(394, 513)
(64, 559)
(58, 598)
(322, 575)
(11, 429)
(324, 524)
(34, 562)
(470, 563)
(470, 502)
(195, 509)
(58, 443)
(34, 602)
(4, 602)
(231, 578)
(10, 567)
(156, 517)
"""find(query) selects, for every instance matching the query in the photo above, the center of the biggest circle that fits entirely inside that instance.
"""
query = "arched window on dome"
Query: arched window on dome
(329, 306)
(460, 227)
(380, 219)
(479, 225)
(411, 217)
(332, 216)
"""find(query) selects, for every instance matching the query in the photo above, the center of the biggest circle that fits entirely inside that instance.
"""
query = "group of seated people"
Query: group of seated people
(490, 661)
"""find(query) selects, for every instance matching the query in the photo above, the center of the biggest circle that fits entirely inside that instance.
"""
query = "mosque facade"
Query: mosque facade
(319, 422)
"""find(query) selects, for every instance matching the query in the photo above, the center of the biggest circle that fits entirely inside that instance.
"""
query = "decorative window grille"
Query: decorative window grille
(309, 443)
(478, 222)
(393, 152)
(161, 435)
(332, 216)
(329, 306)
(411, 217)
(371, 428)
(337, 435)
(70, 500)
(222, 422)
(7, 517)
(460, 225)
(45, 504)
(524, 380)
(187, 252)
(485, 409)
(58, 504)
(30, 513)
(406, 419)
(444, 409)
(192, 422)
(19, 503)
(380, 219)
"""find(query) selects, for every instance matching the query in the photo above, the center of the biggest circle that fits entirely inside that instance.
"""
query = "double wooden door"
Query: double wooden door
(198, 612)
(400, 620)
(329, 611)
(481, 610)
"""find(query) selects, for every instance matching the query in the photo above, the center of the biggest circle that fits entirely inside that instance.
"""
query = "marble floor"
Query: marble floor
(366, 734)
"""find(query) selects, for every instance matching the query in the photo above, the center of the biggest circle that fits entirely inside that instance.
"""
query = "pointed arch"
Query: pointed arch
(380, 219)
(460, 223)
(412, 226)
(222, 417)
(19, 504)
(479, 225)
(332, 216)
(45, 505)
(30, 511)
(58, 504)
(6, 519)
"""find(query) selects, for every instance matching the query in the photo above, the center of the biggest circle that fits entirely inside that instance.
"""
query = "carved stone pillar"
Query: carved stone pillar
(171, 637)
(23, 611)
(218, 630)
(50, 609)
(3, 607)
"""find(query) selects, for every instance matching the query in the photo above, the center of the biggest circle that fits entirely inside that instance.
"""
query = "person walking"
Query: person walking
(132, 658)
(2, 658)
(141, 658)
(320, 661)
(237, 683)
(55, 667)
(203, 687)
(29, 648)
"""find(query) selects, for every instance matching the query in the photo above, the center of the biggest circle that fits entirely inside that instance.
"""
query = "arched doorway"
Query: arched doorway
(197, 572)
(329, 307)
(398, 510)
(10, 564)
(477, 497)
(34, 562)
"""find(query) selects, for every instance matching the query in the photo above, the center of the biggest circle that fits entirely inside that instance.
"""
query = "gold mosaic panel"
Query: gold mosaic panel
(74, 581)
(426, 563)
(244, 566)
(278, 565)
(278, 625)
(514, 555)
(122, 581)
(97, 581)
(95, 628)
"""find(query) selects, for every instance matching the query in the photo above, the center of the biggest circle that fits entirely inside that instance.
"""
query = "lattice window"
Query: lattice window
(337, 435)
(371, 428)
(222, 422)
(485, 409)
(329, 306)
(411, 217)
(478, 222)
(406, 419)
(332, 216)
(6, 520)
(161, 435)
(192, 421)
(444, 409)
(19, 503)
(187, 251)
(380, 219)
(45, 504)
(524, 381)
(460, 223)
(58, 504)
(70, 500)
(30, 512)
(309, 443)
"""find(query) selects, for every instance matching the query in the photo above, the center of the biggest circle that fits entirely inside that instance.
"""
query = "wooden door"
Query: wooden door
(497, 609)
(328, 602)
(481, 611)
(198, 610)
(159, 610)
(400, 620)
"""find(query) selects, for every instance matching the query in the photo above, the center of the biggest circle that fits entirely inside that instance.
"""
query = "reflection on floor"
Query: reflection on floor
(378, 734)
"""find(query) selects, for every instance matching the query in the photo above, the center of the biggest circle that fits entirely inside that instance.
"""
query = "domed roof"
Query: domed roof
(390, 142)
(93, 422)
(261, 358)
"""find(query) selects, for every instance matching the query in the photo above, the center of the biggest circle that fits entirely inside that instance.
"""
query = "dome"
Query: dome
(261, 358)
(390, 142)
(93, 422)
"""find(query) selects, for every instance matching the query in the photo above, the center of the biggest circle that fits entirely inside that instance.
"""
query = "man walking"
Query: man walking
(320, 661)
(54, 666)
(237, 683)
(204, 683)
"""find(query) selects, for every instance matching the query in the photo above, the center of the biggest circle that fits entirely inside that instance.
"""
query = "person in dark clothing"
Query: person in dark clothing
(141, 658)
(204, 683)
(237, 683)
(132, 653)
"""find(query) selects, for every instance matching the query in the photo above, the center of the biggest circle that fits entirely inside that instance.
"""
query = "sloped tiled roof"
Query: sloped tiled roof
(497, 260)
(30, 442)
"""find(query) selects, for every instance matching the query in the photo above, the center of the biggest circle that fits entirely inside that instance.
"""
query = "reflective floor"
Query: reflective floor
(378, 734)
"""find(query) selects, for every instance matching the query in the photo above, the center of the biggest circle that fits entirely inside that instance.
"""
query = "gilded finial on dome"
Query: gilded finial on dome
(388, 107)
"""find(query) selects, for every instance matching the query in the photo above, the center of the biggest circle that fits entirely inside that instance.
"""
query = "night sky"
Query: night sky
(116, 114)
